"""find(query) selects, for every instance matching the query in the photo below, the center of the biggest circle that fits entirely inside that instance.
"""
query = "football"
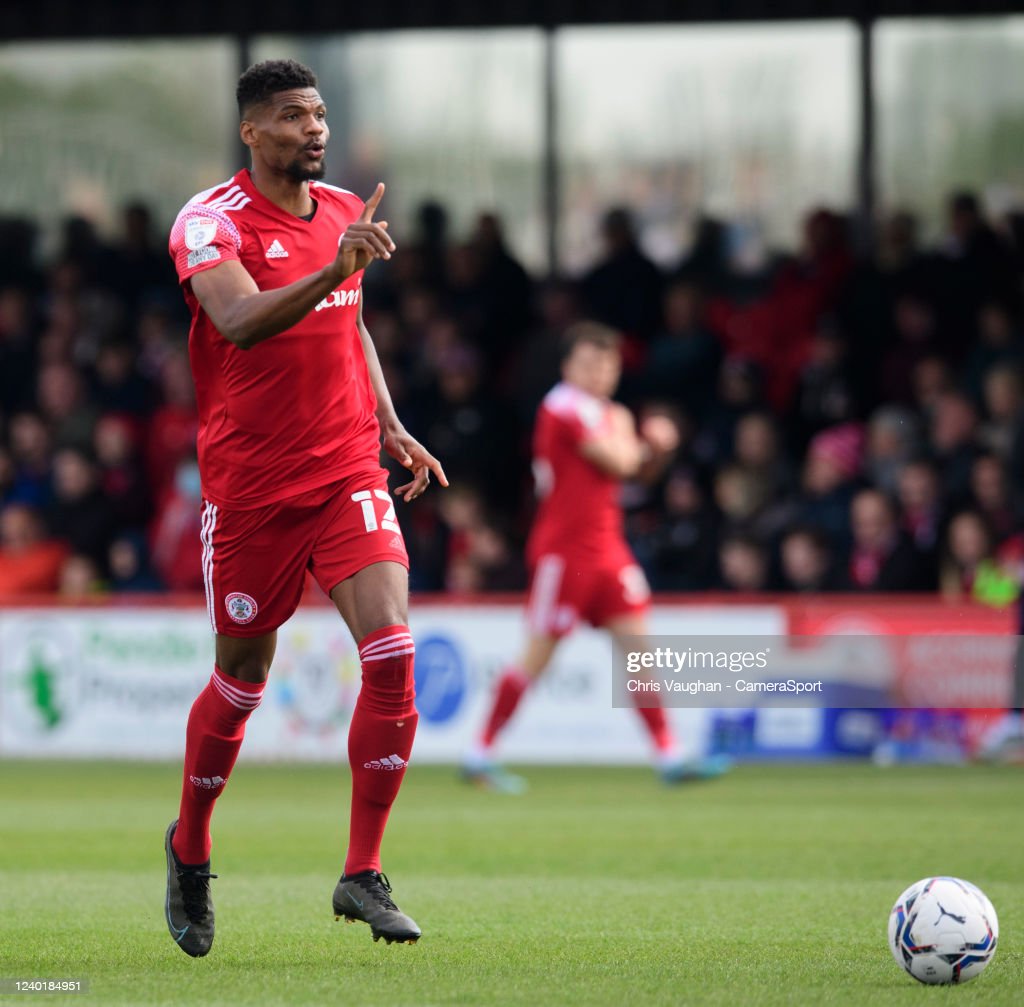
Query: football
(943, 930)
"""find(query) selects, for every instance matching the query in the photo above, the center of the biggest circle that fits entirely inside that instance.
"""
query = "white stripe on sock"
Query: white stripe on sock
(371, 648)
(390, 654)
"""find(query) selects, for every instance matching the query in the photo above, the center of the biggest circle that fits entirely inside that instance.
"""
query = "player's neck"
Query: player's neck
(282, 190)
(585, 390)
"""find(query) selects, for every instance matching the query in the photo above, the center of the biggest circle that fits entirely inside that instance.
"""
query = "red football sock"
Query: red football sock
(216, 726)
(379, 740)
(657, 727)
(511, 686)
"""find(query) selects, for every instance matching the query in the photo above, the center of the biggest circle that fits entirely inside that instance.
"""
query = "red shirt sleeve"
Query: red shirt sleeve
(201, 239)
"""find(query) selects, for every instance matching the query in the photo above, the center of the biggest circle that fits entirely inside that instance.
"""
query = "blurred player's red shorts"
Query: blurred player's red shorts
(255, 561)
(564, 590)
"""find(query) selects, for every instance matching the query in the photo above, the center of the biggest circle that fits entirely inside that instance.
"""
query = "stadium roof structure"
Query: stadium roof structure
(39, 19)
(243, 20)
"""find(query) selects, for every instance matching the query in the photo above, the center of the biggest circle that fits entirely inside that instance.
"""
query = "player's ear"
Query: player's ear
(247, 131)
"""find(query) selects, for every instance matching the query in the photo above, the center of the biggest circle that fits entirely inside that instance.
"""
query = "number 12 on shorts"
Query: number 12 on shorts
(366, 500)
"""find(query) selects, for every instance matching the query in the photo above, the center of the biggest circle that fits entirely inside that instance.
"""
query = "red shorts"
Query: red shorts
(563, 591)
(255, 561)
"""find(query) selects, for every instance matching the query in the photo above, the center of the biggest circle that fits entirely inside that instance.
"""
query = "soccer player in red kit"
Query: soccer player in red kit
(581, 567)
(292, 407)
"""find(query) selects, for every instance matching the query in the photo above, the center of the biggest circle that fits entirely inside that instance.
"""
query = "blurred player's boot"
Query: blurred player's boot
(1005, 741)
(482, 771)
(367, 896)
(674, 769)
(189, 908)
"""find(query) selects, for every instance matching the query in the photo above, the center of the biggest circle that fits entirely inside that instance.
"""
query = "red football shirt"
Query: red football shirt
(579, 514)
(296, 411)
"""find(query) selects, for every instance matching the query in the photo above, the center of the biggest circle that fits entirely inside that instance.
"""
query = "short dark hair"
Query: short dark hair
(591, 334)
(263, 80)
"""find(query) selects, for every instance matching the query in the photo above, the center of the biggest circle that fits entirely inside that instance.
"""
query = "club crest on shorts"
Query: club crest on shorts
(242, 608)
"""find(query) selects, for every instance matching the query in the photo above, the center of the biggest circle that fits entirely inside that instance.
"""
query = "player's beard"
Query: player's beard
(301, 172)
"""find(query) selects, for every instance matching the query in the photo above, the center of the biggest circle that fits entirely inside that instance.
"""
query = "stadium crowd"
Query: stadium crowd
(846, 422)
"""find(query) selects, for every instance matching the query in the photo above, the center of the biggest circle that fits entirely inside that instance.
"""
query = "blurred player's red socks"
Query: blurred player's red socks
(511, 686)
(379, 740)
(658, 728)
(216, 726)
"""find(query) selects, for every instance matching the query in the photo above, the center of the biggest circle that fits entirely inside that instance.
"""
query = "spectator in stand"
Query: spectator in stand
(538, 364)
(79, 578)
(998, 342)
(742, 564)
(624, 289)
(882, 558)
(30, 452)
(758, 449)
(742, 498)
(831, 470)
(60, 393)
(914, 339)
(467, 426)
(128, 563)
(971, 568)
(18, 258)
(491, 554)
(825, 394)
(58, 342)
(29, 562)
(122, 479)
(953, 431)
(17, 349)
(678, 552)
(894, 439)
(83, 249)
(932, 378)
(982, 261)
(7, 477)
(1004, 409)
(705, 264)
(79, 513)
(464, 576)
(739, 391)
(157, 335)
(173, 427)
(921, 506)
(500, 293)
(684, 357)
(118, 387)
(177, 550)
(899, 257)
(777, 329)
(805, 558)
(430, 251)
(142, 269)
(867, 308)
(990, 495)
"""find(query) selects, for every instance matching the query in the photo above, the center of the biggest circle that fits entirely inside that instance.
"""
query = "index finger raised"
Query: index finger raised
(372, 203)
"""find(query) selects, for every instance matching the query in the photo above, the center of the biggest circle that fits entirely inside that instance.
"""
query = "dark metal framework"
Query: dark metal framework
(24, 20)
(120, 18)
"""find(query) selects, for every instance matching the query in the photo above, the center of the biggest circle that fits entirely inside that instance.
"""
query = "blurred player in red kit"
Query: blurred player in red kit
(292, 407)
(581, 567)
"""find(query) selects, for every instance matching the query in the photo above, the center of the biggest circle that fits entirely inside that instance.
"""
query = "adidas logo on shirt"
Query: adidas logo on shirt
(389, 762)
(276, 250)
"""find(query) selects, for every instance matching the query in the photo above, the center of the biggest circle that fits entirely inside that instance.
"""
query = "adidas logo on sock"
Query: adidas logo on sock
(389, 762)
(276, 250)
(207, 782)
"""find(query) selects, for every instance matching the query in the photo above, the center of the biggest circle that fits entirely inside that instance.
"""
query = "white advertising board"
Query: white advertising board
(118, 682)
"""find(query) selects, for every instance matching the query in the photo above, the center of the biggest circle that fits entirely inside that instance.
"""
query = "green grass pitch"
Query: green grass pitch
(597, 887)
